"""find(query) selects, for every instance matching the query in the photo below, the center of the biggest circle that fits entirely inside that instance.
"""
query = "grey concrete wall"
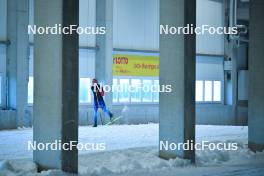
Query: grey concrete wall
(133, 114)
(177, 68)
(206, 114)
(8, 119)
(256, 72)
(17, 57)
(104, 55)
(47, 87)
(3, 19)
(218, 114)
(56, 85)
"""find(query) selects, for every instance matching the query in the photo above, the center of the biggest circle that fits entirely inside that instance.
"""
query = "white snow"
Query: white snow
(133, 150)
(13, 143)
(17, 167)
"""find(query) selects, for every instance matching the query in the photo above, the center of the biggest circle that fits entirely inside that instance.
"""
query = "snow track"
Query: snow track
(133, 150)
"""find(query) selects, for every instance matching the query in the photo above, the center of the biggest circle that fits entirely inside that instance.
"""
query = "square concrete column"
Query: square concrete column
(18, 57)
(256, 73)
(104, 53)
(177, 68)
(56, 84)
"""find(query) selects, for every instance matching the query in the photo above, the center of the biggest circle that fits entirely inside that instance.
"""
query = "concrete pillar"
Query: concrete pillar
(256, 72)
(234, 78)
(56, 84)
(231, 76)
(17, 57)
(177, 68)
(104, 54)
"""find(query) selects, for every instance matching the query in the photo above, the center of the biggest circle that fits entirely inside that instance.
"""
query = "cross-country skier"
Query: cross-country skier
(98, 94)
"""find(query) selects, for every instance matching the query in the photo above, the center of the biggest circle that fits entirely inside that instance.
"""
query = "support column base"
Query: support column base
(170, 155)
(41, 168)
(166, 155)
(255, 147)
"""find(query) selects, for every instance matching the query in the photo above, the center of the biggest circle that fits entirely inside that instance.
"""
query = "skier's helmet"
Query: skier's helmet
(95, 80)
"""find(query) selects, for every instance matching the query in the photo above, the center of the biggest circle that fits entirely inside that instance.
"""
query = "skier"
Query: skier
(98, 94)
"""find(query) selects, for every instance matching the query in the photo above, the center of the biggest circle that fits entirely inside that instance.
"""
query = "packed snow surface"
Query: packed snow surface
(14, 143)
(133, 150)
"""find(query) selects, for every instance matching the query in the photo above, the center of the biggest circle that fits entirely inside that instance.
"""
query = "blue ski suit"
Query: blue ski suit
(99, 103)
